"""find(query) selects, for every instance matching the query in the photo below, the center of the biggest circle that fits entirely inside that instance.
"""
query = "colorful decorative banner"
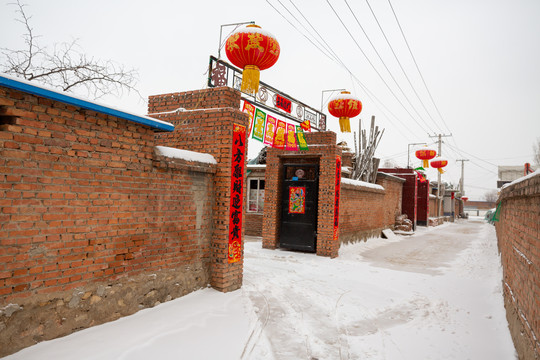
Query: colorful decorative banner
(258, 125)
(336, 199)
(306, 125)
(297, 200)
(237, 195)
(291, 139)
(302, 143)
(279, 139)
(250, 110)
(270, 130)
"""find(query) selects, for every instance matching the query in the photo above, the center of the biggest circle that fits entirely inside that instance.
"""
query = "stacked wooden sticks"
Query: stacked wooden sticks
(365, 166)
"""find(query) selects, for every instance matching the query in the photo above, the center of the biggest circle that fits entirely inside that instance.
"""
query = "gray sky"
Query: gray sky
(479, 58)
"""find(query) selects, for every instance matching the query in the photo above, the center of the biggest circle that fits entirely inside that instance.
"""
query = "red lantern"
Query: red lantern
(252, 49)
(425, 154)
(464, 198)
(344, 106)
(439, 163)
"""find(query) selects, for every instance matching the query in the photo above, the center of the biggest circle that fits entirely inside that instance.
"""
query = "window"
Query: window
(256, 195)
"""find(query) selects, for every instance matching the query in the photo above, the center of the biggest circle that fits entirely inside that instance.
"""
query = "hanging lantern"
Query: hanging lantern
(425, 154)
(252, 49)
(439, 163)
(344, 106)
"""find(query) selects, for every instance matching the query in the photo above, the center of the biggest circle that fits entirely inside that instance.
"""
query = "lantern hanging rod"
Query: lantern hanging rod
(221, 33)
(322, 95)
(409, 150)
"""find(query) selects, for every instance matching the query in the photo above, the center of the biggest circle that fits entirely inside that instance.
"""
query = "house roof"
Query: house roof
(32, 88)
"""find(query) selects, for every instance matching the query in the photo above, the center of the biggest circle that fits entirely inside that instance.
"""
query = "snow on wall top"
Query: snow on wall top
(185, 155)
(43, 91)
(361, 184)
(531, 175)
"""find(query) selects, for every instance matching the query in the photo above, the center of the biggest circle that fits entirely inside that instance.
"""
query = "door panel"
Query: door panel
(299, 207)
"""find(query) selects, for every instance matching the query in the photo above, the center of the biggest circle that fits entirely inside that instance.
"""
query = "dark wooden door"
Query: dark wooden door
(299, 207)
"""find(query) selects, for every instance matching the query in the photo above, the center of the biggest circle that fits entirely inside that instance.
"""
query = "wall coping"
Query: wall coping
(525, 186)
(31, 88)
(361, 186)
(390, 177)
(167, 162)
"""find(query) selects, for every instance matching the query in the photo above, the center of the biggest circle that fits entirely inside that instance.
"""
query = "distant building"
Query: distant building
(508, 174)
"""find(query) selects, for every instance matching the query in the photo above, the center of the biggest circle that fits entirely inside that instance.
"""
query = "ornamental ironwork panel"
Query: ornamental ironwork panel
(269, 98)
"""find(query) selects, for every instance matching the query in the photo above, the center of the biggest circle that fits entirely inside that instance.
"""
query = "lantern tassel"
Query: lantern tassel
(426, 164)
(441, 170)
(344, 124)
(250, 79)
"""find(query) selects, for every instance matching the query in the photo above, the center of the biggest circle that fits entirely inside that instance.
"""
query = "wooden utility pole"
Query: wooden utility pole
(462, 180)
(439, 202)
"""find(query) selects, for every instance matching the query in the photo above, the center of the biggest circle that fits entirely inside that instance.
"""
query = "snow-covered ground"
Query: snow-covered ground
(434, 295)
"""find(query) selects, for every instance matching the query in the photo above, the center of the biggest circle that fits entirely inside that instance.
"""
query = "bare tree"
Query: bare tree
(536, 148)
(491, 195)
(65, 66)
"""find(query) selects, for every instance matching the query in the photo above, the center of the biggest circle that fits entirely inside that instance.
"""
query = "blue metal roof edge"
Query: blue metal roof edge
(24, 86)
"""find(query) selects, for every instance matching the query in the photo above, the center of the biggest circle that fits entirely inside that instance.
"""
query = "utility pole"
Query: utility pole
(439, 202)
(462, 180)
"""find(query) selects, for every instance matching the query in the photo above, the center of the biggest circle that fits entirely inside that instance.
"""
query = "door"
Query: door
(299, 207)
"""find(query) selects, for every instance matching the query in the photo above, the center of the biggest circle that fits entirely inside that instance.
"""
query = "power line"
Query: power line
(386, 67)
(417, 67)
(375, 69)
(399, 62)
(368, 92)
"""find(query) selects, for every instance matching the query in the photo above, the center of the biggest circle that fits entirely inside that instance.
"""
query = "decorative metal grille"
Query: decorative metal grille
(223, 74)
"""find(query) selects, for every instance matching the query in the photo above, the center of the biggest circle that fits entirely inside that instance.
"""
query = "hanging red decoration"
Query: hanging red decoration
(252, 49)
(425, 154)
(464, 198)
(439, 163)
(344, 106)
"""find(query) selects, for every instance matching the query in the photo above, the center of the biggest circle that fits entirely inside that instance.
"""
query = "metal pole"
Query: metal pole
(221, 32)
(408, 151)
(322, 95)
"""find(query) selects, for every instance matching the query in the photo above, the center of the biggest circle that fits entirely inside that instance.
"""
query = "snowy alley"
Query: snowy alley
(434, 295)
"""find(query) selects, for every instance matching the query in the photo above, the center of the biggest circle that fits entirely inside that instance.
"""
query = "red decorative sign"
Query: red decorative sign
(250, 110)
(283, 103)
(297, 200)
(237, 192)
(336, 199)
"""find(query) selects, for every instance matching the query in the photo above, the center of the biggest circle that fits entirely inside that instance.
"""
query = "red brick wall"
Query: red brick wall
(365, 211)
(253, 224)
(410, 191)
(518, 234)
(208, 128)
(85, 202)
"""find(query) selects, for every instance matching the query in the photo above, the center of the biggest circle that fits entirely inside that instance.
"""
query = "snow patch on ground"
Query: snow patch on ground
(434, 295)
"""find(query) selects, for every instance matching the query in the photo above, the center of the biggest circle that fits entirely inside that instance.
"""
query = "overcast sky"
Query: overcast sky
(479, 58)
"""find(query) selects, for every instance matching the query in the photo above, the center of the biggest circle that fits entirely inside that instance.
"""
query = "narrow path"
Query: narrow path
(434, 295)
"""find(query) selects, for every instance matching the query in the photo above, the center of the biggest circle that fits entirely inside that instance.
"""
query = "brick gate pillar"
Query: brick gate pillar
(204, 122)
(324, 151)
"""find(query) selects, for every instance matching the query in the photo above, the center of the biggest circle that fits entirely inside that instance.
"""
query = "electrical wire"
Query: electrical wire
(399, 62)
(385, 66)
(369, 93)
(373, 66)
(417, 67)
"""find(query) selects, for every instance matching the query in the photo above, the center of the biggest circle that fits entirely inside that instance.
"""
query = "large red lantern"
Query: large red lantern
(344, 106)
(252, 49)
(425, 154)
(439, 163)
